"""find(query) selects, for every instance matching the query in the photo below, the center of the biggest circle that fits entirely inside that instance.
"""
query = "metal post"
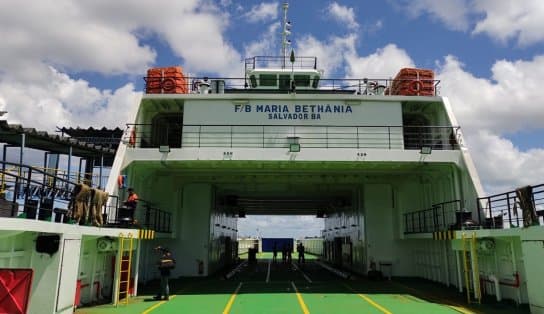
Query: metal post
(54, 185)
(357, 128)
(446, 263)
(199, 134)
(21, 154)
(479, 207)
(157, 220)
(100, 172)
(435, 219)
(326, 137)
(4, 150)
(389, 136)
(147, 222)
(458, 266)
(508, 206)
(420, 224)
(69, 167)
(79, 170)
(137, 267)
(89, 170)
(117, 271)
(443, 218)
(28, 189)
(45, 155)
(44, 180)
(284, 35)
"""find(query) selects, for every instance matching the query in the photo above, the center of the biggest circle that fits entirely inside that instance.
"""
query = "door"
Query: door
(68, 275)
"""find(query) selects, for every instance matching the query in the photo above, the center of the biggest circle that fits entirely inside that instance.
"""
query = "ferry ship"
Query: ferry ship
(407, 227)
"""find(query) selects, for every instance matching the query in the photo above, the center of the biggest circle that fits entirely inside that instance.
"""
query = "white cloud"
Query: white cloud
(262, 12)
(43, 42)
(66, 35)
(453, 13)
(336, 52)
(509, 102)
(506, 19)
(487, 109)
(265, 44)
(502, 20)
(330, 53)
(343, 15)
(106, 37)
(502, 166)
(383, 64)
(62, 101)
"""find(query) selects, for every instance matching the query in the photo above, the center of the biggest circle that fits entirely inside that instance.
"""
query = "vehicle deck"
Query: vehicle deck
(267, 287)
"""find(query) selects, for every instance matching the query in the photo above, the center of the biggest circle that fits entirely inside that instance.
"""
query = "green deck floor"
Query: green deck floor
(308, 289)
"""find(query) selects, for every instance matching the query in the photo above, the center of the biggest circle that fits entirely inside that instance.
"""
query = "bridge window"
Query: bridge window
(302, 80)
(285, 82)
(315, 83)
(253, 81)
(166, 129)
(268, 80)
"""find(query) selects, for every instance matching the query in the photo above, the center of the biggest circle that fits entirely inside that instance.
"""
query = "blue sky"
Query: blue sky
(81, 63)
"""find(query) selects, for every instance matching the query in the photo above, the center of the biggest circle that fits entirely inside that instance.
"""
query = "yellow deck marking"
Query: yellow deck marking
(411, 297)
(231, 300)
(403, 298)
(300, 300)
(453, 305)
(460, 309)
(369, 300)
(156, 305)
(374, 304)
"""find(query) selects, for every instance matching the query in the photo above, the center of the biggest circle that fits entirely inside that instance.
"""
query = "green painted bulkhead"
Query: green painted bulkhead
(60, 260)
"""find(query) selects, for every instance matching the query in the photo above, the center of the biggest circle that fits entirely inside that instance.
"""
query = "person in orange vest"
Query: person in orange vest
(131, 203)
(132, 199)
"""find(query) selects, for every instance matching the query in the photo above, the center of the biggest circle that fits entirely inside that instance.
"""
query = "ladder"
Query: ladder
(126, 244)
(471, 270)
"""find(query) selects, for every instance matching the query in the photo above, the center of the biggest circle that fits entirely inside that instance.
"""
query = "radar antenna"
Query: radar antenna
(285, 42)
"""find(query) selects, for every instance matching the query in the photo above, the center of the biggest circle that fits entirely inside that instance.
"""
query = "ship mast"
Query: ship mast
(286, 32)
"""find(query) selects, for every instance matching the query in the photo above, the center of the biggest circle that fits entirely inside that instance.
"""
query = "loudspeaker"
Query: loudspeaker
(47, 244)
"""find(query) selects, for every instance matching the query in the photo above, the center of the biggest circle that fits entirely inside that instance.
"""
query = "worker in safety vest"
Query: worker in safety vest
(132, 199)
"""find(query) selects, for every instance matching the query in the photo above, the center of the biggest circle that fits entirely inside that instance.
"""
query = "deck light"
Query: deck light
(294, 145)
(426, 150)
(294, 148)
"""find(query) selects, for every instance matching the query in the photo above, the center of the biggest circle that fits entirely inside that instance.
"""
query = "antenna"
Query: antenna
(286, 32)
